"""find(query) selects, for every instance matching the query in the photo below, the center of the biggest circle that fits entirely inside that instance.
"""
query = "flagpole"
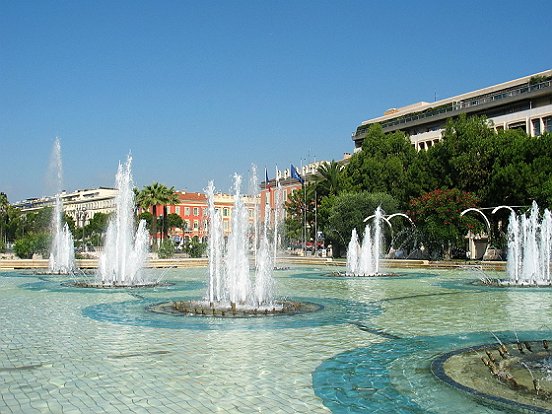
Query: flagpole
(277, 196)
(304, 213)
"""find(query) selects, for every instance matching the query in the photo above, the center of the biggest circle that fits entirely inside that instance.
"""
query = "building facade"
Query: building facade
(81, 205)
(524, 103)
(193, 209)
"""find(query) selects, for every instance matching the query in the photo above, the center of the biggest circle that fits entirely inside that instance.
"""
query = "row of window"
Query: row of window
(536, 127)
(225, 211)
(196, 225)
(96, 205)
(187, 211)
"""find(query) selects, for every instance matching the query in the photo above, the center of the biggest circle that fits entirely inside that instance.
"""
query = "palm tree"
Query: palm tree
(156, 195)
(4, 205)
(328, 179)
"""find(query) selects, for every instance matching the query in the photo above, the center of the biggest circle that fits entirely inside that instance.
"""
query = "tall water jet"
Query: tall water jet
(529, 248)
(126, 249)
(278, 222)
(353, 253)
(230, 281)
(363, 258)
(215, 248)
(62, 249)
(264, 265)
(235, 290)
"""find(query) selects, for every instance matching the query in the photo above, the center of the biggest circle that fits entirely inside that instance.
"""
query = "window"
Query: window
(186, 211)
(226, 212)
(196, 224)
(518, 125)
(187, 224)
(535, 127)
(196, 211)
(225, 225)
(548, 124)
(177, 210)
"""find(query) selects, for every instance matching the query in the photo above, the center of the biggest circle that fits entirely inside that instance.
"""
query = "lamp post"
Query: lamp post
(81, 216)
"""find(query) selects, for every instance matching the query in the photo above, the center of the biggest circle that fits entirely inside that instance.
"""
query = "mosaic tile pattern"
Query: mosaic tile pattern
(370, 350)
(55, 359)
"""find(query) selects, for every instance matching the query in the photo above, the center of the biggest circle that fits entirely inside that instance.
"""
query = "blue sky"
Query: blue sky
(200, 90)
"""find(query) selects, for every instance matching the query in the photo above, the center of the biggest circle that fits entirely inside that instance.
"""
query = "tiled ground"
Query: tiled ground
(368, 350)
(54, 359)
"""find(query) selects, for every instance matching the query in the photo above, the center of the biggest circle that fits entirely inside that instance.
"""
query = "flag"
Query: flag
(295, 175)
(267, 181)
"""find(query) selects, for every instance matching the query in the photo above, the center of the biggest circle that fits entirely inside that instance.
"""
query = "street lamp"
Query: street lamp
(81, 214)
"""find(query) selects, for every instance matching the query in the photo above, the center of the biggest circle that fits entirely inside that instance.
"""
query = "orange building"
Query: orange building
(193, 209)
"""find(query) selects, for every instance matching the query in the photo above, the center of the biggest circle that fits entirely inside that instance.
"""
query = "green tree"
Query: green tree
(382, 164)
(465, 157)
(195, 248)
(174, 221)
(347, 211)
(328, 180)
(4, 206)
(152, 196)
(512, 175)
(300, 208)
(25, 247)
(438, 221)
(97, 227)
(166, 249)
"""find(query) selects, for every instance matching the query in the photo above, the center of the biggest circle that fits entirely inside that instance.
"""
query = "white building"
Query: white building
(81, 205)
(524, 103)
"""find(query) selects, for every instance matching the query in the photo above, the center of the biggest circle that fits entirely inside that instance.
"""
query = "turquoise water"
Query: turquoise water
(369, 348)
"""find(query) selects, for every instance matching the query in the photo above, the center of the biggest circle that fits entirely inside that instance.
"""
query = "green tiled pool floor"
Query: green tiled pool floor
(56, 356)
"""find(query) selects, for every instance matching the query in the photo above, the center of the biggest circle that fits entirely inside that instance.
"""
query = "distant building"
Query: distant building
(193, 209)
(81, 205)
(524, 103)
(288, 184)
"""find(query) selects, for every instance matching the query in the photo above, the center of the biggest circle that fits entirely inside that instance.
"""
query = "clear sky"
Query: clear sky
(200, 90)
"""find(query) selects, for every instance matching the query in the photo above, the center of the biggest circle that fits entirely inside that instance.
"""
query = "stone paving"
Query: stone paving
(53, 359)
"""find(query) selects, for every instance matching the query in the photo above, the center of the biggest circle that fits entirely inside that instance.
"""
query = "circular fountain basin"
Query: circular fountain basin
(115, 285)
(347, 274)
(507, 283)
(514, 374)
(227, 310)
(64, 273)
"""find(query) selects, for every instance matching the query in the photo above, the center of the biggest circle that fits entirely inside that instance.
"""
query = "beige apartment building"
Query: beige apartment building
(524, 103)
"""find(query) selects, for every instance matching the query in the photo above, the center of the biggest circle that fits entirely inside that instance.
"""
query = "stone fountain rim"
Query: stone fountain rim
(437, 369)
(498, 283)
(156, 308)
(371, 275)
(96, 285)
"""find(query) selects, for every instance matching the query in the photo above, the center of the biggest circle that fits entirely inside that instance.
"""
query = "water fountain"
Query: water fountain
(529, 248)
(233, 288)
(126, 249)
(515, 374)
(62, 249)
(363, 259)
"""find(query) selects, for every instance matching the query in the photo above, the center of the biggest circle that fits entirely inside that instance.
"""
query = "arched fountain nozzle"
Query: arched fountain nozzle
(536, 386)
(490, 355)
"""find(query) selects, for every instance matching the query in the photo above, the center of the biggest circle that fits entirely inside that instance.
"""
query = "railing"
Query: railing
(456, 106)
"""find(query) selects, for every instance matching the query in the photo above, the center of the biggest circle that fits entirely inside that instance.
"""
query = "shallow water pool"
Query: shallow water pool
(369, 349)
